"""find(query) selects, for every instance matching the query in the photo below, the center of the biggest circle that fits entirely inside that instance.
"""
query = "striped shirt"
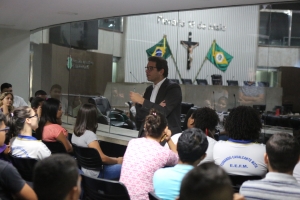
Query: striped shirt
(275, 186)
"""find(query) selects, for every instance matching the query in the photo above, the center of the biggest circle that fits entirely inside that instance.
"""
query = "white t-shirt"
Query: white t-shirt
(296, 172)
(239, 158)
(19, 101)
(29, 147)
(209, 151)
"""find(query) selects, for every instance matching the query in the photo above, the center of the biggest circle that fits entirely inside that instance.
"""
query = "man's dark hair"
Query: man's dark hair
(161, 63)
(207, 181)
(40, 92)
(205, 118)
(5, 85)
(55, 86)
(192, 145)
(55, 176)
(283, 152)
(243, 123)
(35, 101)
(86, 119)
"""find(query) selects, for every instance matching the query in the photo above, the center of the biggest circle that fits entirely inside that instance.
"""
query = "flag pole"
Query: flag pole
(202, 64)
(177, 70)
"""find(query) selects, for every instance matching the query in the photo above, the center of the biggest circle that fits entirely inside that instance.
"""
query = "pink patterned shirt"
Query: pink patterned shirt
(142, 158)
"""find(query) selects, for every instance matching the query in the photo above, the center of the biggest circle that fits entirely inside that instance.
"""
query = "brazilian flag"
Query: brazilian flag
(217, 56)
(161, 49)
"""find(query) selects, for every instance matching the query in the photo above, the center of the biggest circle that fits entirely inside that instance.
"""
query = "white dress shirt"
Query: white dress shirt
(19, 101)
(155, 90)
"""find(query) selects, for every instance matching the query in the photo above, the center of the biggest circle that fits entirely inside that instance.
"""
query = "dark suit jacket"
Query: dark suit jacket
(171, 93)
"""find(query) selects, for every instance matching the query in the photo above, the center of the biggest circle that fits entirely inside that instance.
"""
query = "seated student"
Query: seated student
(49, 128)
(18, 101)
(11, 183)
(41, 93)
(145, 155)
(85, 136)
(56, 93)
(205, 119)
(36, 105)
(206, 182)
(57, 177)
(6, 103)
(240, 154)
(281, 157)
(24, 145)
(296, 172)
(191, 148)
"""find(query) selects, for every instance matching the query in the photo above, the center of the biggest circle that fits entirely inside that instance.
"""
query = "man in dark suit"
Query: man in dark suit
(164, 95)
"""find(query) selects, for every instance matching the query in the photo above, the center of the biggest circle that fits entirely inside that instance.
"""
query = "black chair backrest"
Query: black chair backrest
(238, 180)
(55, 147)
(186, 81)
(263, 84)
(232, 83)
(152, 196)
(101, 103)
(25, 166)
(88, 158)
(249, 83)
(96, 188)
(174, 80)
(216, 79)
(201, 81)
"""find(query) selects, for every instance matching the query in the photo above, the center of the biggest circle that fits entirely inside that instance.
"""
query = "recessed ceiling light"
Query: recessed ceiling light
(67, 13)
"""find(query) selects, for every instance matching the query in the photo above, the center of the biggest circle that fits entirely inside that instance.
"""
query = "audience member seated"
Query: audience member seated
(41, 93)
(281, 157)
(57, 177)
(5, 146)
(296, 172)
(49, 128)
(55, 92)
(18, 101)
(191, 147)
(36, 105)
(85, 136)
(206, 182)
(240, 154)
(145, 155)
(24, 145)
(6, 103)
(205, 119)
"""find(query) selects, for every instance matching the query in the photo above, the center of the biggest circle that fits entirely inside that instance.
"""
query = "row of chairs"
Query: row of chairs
(229, 82)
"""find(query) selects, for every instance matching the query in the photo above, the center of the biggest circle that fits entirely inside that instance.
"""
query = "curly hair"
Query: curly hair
(243, 123)
(2, 96)
(155, 124)
(205, 118)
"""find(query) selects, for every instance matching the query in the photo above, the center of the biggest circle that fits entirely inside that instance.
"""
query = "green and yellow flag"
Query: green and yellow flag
(161, 49)
(217, 56)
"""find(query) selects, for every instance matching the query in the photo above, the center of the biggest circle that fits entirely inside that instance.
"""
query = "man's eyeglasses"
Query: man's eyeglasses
(6, 129)
(150, 68)
(36, 115)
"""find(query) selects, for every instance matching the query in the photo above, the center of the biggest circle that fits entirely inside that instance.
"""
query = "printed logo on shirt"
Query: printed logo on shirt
(235, 162)
(21, 152)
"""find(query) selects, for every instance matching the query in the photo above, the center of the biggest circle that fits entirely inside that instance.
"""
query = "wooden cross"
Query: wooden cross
(189, 45)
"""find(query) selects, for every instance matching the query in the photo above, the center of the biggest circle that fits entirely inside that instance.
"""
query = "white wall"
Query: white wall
(14, 60)
(278, 56)
(239, 40)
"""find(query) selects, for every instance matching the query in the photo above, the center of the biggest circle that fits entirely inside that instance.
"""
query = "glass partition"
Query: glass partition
(221, 57)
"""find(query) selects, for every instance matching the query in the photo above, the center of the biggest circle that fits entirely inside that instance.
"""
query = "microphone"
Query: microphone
(234, 100)
(134, 77)
(214, 100)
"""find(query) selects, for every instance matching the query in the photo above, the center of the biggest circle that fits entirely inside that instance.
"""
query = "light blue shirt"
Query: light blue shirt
(167, 181)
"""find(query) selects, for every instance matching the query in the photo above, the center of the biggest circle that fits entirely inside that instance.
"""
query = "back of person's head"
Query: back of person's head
(86, 119)
(40, 93)
(155, 124)
(56, 177)
(55, 86)
(36, 101)
(16, 122)
(283, 152)
(161, 63)
(5, 85)
(207, 181)
(49, 113)
(205, 118)
(192, 145)
(243, 123)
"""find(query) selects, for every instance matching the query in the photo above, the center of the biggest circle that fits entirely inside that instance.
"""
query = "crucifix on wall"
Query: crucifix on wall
(189, 45)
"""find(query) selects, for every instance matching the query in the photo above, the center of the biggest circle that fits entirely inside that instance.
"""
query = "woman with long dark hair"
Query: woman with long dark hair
(50, 128)
(85, 136)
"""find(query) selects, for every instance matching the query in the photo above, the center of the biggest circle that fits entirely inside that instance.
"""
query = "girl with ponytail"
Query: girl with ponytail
(23, 121)
(144, 156)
